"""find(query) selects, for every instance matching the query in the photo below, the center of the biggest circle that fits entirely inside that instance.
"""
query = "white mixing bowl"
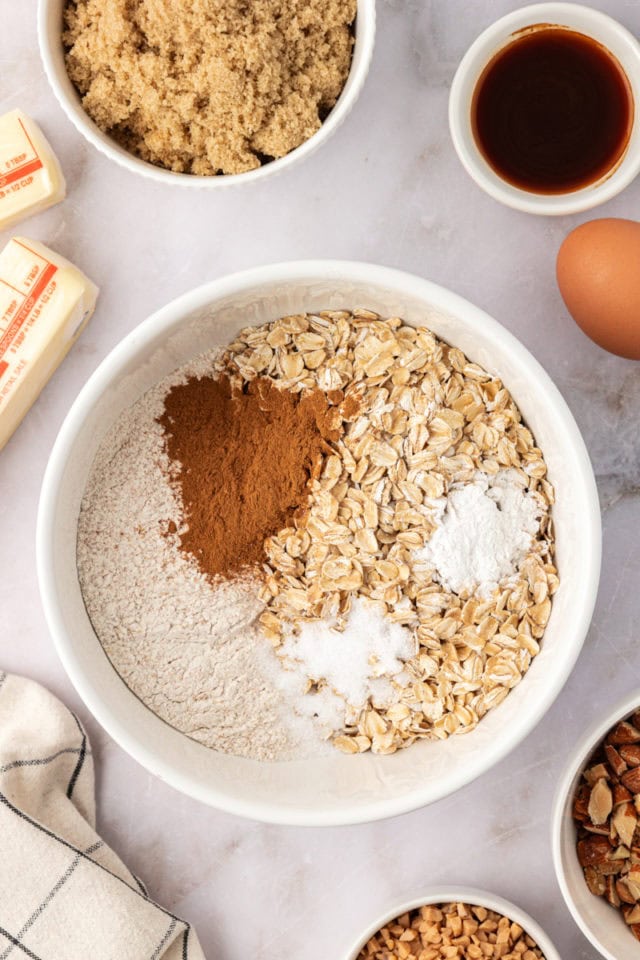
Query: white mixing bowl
(339, 789)
(50, 14)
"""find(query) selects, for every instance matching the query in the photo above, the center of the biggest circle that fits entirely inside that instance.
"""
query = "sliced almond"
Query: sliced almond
(631, 914)
(615, 761)
(621, 853)
(593, 851)
(603, 831)
(624, 822)
(611, 893)
(598, 772)
(596, 881)
(600, 802)
(623, 892)
(631, 779)
(632, 880)
(581, 803)
(621, 794)
(625, 732)
(630, 753)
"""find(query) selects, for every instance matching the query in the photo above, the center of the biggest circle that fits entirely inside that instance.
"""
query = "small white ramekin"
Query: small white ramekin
(51, 50)
(469, 895)
(616, 38)
(601, 923)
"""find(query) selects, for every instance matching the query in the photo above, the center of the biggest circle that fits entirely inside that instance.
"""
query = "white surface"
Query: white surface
(387, 187)
(607, 31)
(605, 927)
(49, 19)
(339, 789)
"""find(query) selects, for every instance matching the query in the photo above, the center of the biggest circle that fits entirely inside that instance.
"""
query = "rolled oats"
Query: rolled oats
(416, 417)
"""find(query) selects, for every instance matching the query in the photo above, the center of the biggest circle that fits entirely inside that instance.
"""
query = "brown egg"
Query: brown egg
(598, 272)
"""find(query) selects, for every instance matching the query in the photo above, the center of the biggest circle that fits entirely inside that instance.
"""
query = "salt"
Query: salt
(485, 530)
(351, 662)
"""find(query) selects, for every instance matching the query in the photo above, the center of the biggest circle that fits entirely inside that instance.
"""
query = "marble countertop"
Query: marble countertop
(387, 188)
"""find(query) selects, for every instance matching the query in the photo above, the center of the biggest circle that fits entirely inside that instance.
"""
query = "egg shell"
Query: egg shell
(598, 271)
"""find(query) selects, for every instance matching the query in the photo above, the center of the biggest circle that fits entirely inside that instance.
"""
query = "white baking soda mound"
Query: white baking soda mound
(486, 529)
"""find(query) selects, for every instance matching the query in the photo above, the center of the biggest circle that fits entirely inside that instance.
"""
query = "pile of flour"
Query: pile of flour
(190, 651)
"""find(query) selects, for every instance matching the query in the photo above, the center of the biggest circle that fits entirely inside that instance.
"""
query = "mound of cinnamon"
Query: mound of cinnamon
(243, 457)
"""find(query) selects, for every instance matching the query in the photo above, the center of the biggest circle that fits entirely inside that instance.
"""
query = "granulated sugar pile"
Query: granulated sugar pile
(355, 665)
(337, 528)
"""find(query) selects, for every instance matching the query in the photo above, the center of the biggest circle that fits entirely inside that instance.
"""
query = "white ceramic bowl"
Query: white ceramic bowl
(584, 20)
(469, 895)
(601, 923)
(51, 51)
(338, 789)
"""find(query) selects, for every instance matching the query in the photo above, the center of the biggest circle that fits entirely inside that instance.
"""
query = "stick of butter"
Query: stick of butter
(45, 303)
(30, 176)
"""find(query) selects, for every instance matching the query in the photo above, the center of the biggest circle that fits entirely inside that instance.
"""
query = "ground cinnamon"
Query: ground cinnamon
(244, 458)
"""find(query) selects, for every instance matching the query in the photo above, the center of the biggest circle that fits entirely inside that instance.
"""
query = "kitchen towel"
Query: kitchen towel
(64, 895)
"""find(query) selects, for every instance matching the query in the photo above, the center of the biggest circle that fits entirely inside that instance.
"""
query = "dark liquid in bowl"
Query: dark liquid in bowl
(553, 111)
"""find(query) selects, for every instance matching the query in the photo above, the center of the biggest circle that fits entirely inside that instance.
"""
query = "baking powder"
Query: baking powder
(486, 529)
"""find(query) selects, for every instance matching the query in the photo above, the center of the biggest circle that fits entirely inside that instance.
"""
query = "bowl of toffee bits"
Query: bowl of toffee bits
(455, 922)
(207, 95)
(596, 833)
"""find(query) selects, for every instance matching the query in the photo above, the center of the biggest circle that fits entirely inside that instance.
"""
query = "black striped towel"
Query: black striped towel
(64, 895)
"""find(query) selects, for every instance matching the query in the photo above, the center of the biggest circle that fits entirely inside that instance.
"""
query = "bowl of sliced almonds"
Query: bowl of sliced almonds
(596, 833)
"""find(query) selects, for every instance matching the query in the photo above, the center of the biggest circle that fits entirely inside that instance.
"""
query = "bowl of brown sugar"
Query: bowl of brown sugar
(306, 526)
(206, 94)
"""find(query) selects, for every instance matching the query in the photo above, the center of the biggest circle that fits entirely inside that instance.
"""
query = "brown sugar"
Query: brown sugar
(209, 86)
(244, 459)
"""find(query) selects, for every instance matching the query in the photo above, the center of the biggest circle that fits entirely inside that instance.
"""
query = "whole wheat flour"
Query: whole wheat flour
(189, 651)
